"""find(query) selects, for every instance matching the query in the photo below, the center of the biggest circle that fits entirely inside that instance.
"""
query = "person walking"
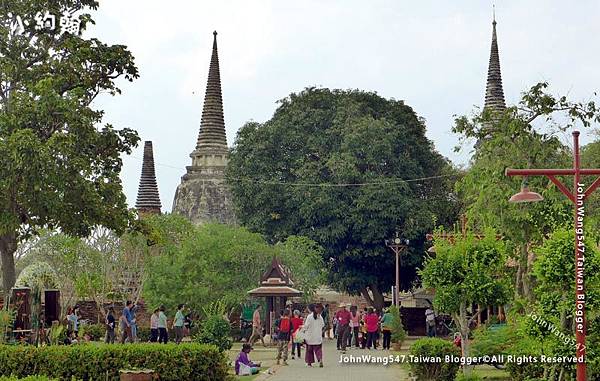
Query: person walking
(430, 322)
(372, 323)
(154, 326)
(354, 326)
(313, 336)
(297, 323)
(283, 328)
(110, 326)
(342, 318)
(327, 321)
(163, 334)
(134, 327)
(73, 320)
(125, 322)
(178, 323)
(256, 328)
(386, 328)
(110, 323)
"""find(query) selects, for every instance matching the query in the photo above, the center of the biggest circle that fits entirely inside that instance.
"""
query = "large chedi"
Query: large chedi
(203, 195)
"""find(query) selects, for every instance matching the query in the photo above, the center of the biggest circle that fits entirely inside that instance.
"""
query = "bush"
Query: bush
(29, 378)
(143, 334)
(215, 330)
(434, 371)
(103, 361)
(96, 332)
(398, 332)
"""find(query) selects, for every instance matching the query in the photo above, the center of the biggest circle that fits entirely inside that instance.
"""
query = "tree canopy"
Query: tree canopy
(222, 263)
(336, 166)
(465, 272)
(511, 139)
(58, 168)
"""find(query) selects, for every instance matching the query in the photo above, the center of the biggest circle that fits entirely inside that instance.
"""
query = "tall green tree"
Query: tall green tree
(511, 140)
(222, 263)
(333, 166)
(466, 272)
(58, 169)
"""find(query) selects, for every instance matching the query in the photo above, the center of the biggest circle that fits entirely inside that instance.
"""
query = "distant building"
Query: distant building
(203, 195)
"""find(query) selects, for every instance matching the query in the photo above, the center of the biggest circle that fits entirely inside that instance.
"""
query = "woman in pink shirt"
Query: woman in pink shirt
(372, 323)
(354, 326)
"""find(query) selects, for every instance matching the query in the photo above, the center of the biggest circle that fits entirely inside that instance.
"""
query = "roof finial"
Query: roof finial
(493, 14)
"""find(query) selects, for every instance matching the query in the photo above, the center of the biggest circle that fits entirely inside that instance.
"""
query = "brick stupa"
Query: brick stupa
(148, 200)
(203, 195)
(494, 93)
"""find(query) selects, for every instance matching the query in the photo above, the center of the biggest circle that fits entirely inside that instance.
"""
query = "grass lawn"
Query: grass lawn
(491, 373)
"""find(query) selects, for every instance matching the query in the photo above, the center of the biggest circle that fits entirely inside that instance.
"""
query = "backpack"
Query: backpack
(285, 325)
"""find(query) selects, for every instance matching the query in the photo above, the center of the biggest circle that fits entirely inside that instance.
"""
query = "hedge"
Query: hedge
(103, 361)
(434, 371)
(29, 378)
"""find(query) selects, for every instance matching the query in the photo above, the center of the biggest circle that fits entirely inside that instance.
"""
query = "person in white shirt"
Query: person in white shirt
(313, 336)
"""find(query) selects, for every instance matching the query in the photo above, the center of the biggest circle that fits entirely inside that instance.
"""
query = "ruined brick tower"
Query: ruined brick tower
(494, 93)
(148, 200)
(203, 195)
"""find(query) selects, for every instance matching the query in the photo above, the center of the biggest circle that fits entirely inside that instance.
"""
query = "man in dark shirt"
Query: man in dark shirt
(110, 326)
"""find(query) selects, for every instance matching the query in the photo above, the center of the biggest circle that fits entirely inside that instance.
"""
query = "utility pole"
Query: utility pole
(397, 245)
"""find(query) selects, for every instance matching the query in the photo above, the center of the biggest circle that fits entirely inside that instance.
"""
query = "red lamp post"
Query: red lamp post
(577, 196)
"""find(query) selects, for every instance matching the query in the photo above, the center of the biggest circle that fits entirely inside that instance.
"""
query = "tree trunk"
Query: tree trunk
(365, 294)
(376, 301)
(463, 323)
(8, 246)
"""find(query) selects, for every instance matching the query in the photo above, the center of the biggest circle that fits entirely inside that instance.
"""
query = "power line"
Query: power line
(313, 185)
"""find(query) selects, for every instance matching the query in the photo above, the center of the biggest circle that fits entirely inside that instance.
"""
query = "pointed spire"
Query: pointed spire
(148, 200)
(212, 127)
(494, 94)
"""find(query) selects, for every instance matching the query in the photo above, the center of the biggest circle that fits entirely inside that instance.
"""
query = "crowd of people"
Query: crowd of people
(349, 326)
(123, 328)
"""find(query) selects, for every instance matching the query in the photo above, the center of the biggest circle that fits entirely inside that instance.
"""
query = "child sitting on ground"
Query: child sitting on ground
(243, 365)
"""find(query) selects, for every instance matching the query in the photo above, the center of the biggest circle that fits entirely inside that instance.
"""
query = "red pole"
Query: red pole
(397, 290)
(578, 191)
(577, 196)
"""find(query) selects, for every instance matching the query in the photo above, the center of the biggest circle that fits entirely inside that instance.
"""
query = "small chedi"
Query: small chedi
(203, 195)
(148, 199)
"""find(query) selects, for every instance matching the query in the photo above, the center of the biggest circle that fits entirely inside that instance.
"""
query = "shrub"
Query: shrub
(29, 378)
(7, 318)
(398, 332)
(96, 332)
(143, 335)
(525, 371)
(434, 371)
(215, 330)
(103, 361)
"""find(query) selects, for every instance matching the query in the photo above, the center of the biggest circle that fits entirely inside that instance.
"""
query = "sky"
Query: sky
(431, 54)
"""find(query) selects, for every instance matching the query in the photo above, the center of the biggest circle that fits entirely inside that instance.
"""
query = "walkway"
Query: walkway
(333, 370)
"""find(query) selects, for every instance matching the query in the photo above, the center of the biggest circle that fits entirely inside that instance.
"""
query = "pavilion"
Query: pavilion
(276, 286)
